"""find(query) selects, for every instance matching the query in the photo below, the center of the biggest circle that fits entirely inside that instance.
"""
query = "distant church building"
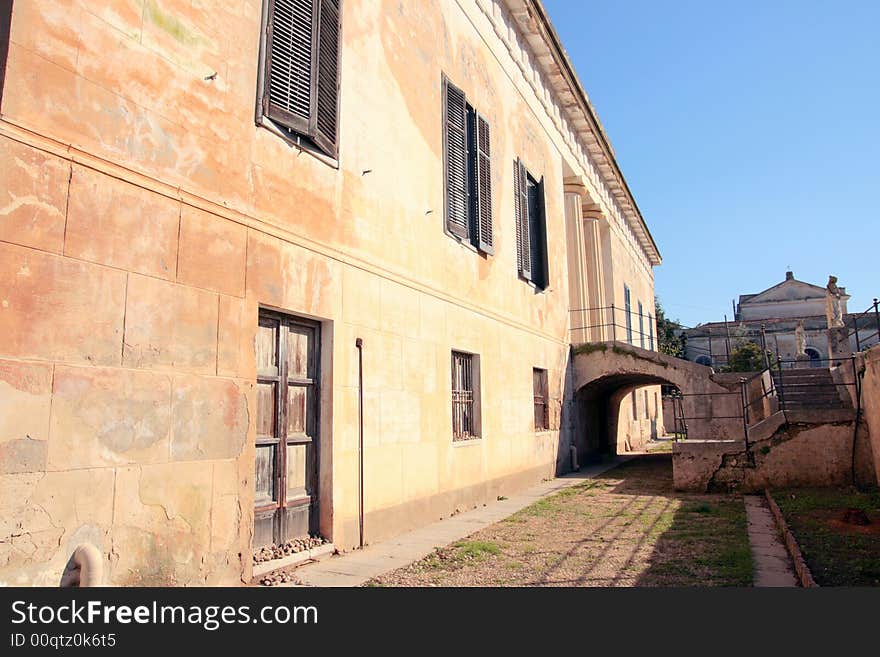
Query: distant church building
(770, 318)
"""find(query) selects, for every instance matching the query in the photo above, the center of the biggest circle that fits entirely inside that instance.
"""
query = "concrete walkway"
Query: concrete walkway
(356, 567)
(772, 564)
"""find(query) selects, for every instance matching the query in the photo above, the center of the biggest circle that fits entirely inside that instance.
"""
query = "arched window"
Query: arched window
(814, 356)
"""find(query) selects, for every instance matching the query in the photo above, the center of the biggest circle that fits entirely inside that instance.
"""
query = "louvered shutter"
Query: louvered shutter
(327, 82)
(485, 237)
(288, 89)
(455, 164)
(521, 209)
(301, 89)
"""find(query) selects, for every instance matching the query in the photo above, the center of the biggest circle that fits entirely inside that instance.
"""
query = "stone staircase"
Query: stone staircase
(810, 389)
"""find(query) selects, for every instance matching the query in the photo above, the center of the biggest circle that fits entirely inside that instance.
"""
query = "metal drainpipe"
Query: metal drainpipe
(858, 374)
(359, 344)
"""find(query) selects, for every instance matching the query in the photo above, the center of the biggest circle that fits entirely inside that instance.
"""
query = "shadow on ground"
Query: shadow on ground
(627, 527)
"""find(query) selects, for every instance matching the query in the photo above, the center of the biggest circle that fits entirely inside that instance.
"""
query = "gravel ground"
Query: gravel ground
(625, 528)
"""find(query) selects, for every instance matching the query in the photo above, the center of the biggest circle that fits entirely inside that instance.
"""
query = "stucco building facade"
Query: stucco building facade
(223, 323)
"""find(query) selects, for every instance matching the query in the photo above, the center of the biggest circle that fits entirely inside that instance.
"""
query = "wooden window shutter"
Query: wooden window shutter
(327, 80)
(485, 237)
(288, 90)
(455, 160)
(301, 89)
(521, 209)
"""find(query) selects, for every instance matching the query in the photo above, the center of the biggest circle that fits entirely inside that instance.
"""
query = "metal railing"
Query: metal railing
(779, 395)
(729, 338)
(869, 319)
(873, 310)
(626, 332)
(680, 420)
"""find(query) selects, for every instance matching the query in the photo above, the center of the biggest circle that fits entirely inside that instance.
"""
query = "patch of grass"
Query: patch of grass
(556, 503)
(539, 509)
(838, 553)
(700, 508)
(663, 525)
(476, 549)
(660, 447)
(706, 543)
(431, 562)
(565, 494)
(591, 347)
(623, 351)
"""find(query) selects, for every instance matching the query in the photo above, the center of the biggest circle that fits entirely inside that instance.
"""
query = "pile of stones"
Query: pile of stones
(270, 552)
(278, 577)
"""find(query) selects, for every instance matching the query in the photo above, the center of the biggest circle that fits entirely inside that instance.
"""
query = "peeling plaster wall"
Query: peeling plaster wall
(796, 454)
(144, 219)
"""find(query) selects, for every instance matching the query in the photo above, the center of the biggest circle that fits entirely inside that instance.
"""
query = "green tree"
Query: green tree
(670, 337)
(746, 357)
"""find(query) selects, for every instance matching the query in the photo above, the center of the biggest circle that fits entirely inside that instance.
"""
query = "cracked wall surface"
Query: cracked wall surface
(145, 219)
(796, 454)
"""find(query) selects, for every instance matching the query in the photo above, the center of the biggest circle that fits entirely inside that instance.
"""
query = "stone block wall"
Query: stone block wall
(144, 221)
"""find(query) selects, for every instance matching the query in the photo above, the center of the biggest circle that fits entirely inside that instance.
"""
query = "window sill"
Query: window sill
(535, 288)
(467, 441)
(302, 145)
(466, 243)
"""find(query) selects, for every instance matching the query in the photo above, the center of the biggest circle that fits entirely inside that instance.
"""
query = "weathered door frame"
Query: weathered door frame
(280, 505)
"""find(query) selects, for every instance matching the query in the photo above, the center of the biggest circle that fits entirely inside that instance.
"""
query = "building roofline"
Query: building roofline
(551, 37)
(750, 298)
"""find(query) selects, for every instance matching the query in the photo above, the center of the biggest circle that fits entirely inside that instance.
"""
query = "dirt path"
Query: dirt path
(625, 528)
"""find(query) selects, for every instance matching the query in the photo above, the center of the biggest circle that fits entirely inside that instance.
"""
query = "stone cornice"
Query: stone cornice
(526, 30)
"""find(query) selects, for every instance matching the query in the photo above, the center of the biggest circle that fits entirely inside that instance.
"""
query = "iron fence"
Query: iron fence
(871, 316)
(608, 317)
(777, 396)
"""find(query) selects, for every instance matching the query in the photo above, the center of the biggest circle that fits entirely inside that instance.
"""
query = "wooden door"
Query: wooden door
(286, 465)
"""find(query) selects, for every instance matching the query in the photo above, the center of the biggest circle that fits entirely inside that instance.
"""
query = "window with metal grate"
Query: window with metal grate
(465, 400)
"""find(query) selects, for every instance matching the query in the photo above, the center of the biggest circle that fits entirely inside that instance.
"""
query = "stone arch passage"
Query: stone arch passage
(604, 372)
(598, 412)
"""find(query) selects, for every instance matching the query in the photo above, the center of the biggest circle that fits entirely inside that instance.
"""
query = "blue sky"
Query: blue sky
(749, 134)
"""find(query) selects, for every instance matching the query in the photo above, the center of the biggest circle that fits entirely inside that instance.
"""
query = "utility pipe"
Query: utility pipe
(359, 344)
(858, 374)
